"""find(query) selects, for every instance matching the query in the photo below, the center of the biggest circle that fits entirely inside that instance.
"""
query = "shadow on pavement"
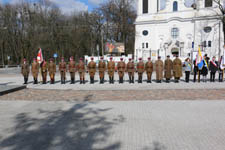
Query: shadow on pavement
(79, 128)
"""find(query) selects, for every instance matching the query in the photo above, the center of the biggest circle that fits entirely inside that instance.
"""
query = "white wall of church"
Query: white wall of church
(189, 22)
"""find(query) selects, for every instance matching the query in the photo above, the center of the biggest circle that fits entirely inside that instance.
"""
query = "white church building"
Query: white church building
(178, 29)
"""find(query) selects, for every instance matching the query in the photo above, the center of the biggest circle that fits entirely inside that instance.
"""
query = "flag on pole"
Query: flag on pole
(40, 56)
(199, 61)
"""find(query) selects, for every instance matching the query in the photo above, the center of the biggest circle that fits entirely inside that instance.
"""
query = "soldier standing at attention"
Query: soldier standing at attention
(111, 70)
(72, 69)
(101, 69)
(140, 70)
(149, 70)
(159, 70)
(63, 69)
(121, 66)
(213, 67)
(92, 70)
(44, 71)
(168, 67)
(81, 70)
(52, 71)
(130, 70)
(196, 71)
(177, 69)
(25, 70)
(35, 70)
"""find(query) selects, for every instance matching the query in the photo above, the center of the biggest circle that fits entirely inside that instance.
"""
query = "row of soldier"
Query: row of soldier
(171, 68)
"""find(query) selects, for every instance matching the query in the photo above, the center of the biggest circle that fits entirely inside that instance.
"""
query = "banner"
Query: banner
(115, 47)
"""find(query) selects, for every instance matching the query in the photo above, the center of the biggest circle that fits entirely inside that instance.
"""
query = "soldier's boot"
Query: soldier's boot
(71, 81)
(83, 81)
(130, 79)
(133, 79)
(103, 80)
(93, 80)
(26, 80)
(113, 80)
(138, 79)
(122, 80)
(141, 80)
(36, 81)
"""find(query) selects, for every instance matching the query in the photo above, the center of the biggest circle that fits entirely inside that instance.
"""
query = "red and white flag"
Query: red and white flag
(40, 56)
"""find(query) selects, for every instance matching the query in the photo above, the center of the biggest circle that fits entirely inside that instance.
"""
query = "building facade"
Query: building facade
(178, 29)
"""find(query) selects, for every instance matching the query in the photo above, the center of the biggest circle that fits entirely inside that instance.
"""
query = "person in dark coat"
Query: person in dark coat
(213, 67)
(196, 71)
(204, 70)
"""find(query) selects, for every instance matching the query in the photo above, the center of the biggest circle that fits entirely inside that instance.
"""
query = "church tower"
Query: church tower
(148, 6)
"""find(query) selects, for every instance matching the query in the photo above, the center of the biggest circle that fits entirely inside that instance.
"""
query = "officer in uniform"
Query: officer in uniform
(25, 70)
(52, 71)
(35, 70)
(121, 66)
(130, 70)
(168, 67)
(81, 70)
(92, 70)
(111, 70)
(101, 69)
(159, 70)
(177, 69)
(140, 70)
(72, 69)
(196, 71)
(213, 67)
(63, 69)
(149, 70)
(44, 71)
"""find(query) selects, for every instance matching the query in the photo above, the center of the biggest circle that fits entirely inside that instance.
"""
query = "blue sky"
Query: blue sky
(68, 6)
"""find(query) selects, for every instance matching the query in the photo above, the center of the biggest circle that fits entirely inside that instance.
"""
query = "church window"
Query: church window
(209, 43)
(175, 6)
(145, 32)
(175, 33)
(146, 45)
(204, 44)
(145, 6)
(208, 3)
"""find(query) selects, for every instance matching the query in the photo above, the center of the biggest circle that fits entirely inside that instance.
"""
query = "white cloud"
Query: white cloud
(96, 2)
(70, 6)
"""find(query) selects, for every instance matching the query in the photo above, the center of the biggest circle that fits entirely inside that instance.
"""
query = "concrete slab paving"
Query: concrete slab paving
(108, 125)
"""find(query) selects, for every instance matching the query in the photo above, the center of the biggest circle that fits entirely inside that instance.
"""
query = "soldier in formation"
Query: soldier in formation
(92, 70)
(35, 70)
(81, 70)
(130, 70)
(177, 69)
(101, 69)
(25, 70)
(72, 69)
(121, 66)
(149, 70)
(111, 70)
(52, 71)
(63, 69)
(44, 71)
(168, 68)
(140, 70)
(159, 70)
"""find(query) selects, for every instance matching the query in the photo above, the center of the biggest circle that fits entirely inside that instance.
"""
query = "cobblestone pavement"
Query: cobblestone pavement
(120, 95)
(108, 125)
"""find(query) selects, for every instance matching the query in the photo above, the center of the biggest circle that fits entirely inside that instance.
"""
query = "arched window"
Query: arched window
(174, 33)
(208, 3)
(175, 6)
(145, 6)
